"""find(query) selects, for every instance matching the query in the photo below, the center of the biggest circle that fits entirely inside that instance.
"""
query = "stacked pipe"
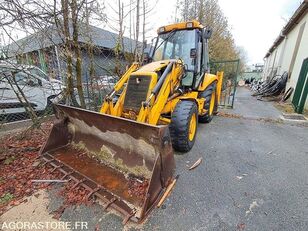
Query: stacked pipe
(273, 87)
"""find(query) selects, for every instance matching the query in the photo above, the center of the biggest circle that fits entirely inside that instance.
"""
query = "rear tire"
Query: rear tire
(208, 95)
(183, 126)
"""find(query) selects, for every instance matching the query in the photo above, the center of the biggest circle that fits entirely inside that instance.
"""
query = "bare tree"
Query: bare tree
(209, 13)
(48, 19)
(45, 22)
(22, 98)
(137, 28)
(68, 51)
(77, 50)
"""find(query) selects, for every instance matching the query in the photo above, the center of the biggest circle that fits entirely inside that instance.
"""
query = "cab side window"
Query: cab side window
(168, 50)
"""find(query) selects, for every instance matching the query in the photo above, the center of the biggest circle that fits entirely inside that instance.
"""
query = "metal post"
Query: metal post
(88, 94)
(58, 62)
(237, 71)
(27, 59)
(42, 61)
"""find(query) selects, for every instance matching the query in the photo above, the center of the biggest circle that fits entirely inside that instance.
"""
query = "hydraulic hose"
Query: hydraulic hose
(162, 79)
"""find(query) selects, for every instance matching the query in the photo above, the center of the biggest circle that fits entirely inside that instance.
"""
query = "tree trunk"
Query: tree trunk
(119, 43)
(69, 68)
(77, 50)
(137, 29)
(121, 19)
(23, 100)
(130, 26)
(90, 50)
(143, 31)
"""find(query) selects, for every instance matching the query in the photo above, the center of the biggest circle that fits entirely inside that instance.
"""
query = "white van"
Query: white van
(39, 90)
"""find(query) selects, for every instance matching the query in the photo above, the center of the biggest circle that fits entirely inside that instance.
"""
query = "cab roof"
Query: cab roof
(194, 24)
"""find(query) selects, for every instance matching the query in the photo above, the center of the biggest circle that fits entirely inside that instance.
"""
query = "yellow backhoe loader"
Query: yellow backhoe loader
(124, 154)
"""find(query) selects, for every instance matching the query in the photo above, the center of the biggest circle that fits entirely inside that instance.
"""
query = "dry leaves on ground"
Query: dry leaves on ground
(229, 115)
(20, 164)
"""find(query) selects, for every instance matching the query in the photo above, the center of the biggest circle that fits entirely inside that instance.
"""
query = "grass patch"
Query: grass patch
(288, 108)
(5, 198)
(284, 107)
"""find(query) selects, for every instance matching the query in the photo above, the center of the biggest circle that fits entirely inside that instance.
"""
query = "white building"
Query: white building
(290, 53)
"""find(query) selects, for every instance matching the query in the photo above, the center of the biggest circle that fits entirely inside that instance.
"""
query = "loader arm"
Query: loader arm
(157, 91)
(108, 107)
(151, 111)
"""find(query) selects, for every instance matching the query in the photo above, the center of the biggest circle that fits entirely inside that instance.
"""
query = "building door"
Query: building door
(301, 90)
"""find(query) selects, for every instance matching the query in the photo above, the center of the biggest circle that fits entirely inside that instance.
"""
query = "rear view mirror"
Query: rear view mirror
(146, 57)
(152, 46)
(31, 83)
(34, 83)
(207, 33)
(193, 53)
(145, 44)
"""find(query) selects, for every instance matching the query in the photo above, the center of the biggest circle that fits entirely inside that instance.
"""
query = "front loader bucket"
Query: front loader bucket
(126, 164)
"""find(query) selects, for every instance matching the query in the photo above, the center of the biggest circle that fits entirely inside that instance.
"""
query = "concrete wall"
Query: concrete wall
(280, 59)
(301, 55)
(273, 62)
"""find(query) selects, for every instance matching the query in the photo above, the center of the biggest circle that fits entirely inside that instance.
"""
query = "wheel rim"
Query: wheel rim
(212, 103)
(192, 127)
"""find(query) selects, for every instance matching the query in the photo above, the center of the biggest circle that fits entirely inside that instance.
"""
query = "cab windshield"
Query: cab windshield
(175, 45)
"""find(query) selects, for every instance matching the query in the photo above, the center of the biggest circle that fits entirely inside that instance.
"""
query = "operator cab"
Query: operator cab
(188, 42)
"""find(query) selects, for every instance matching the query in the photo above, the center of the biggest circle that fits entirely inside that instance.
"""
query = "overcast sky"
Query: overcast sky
(255, 24)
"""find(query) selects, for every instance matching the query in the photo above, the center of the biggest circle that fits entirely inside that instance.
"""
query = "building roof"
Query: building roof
(294, 20)
(50, 36)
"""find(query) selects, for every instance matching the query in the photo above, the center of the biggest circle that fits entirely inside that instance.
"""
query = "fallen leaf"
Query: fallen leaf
(251, 206)
(241, 226)
(196, 164)
(20, 151)
(16, 203)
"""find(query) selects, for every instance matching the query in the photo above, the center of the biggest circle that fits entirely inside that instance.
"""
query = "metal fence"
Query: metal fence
(96, 89)
(231, 73)
(17, 106)
(26, 98)
(22, 99)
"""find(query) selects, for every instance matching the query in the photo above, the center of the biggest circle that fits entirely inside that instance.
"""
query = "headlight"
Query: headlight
(189, 25)
(161, 29)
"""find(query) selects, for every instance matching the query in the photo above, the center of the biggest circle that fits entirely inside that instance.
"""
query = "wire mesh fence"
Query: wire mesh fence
(26, 96)
(231, 73)
(96, 89)
(34, 106)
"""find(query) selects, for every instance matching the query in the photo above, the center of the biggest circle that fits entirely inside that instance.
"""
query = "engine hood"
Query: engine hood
(154, 66)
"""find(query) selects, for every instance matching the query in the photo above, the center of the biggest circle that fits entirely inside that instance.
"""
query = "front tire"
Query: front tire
(183, 126)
